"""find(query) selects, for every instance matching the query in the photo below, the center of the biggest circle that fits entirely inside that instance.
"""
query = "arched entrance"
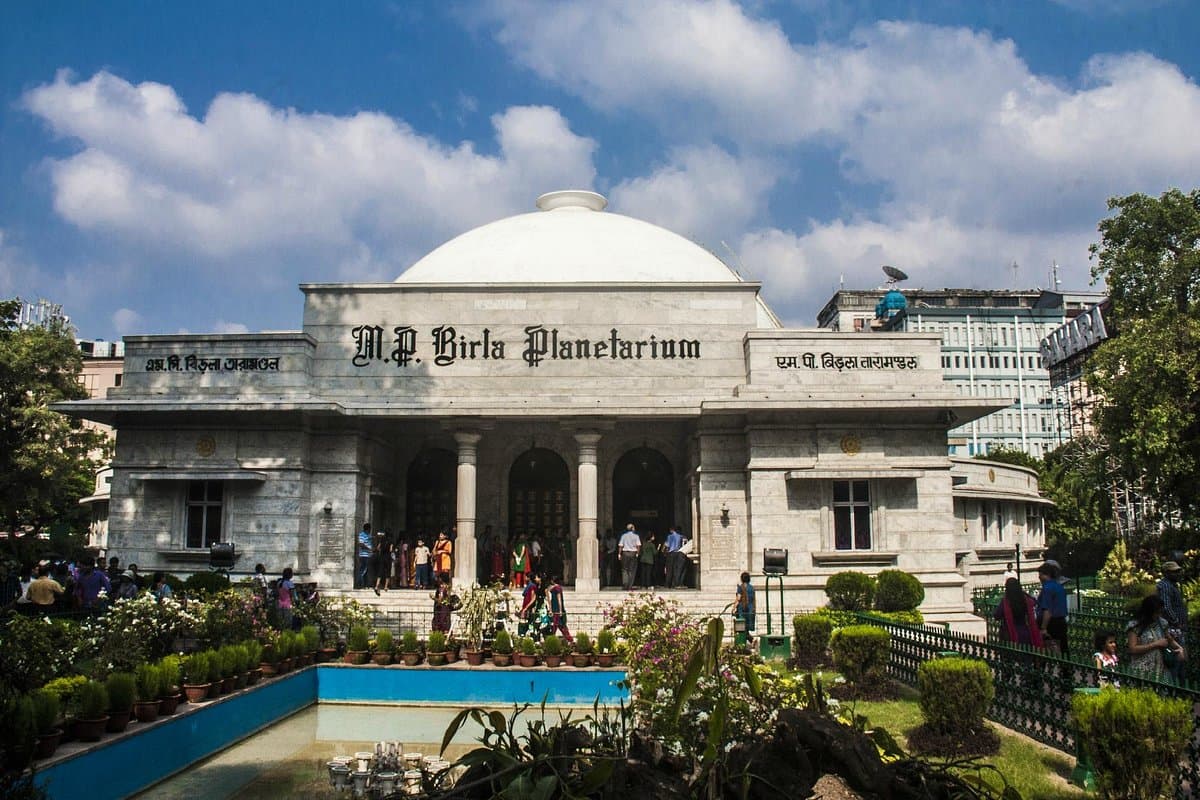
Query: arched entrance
(644, 491)
(539, 505)
(431, 494)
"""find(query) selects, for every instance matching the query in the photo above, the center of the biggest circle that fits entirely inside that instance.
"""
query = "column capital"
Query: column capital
(588, 441)
(467, 438)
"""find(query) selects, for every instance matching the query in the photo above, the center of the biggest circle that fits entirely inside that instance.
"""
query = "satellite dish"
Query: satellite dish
(894, 274)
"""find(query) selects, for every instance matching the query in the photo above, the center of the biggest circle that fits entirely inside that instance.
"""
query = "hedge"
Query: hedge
(955, 694)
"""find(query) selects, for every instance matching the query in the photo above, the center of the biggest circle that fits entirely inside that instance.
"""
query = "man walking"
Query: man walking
(675, 558)
(363, 557)
(629, 546)
(1174, 611)
(1052, 608)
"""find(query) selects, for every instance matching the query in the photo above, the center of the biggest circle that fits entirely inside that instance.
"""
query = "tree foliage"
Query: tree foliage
(1011, 455)
(46, 458)
(1149, 375)
(1079, 526)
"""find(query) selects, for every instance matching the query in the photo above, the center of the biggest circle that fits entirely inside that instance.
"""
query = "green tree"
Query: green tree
(1079, 526)
(47, 460)
(1149, 374)
(1011, 455)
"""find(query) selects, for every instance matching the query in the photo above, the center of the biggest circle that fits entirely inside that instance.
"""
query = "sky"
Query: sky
(176, 167)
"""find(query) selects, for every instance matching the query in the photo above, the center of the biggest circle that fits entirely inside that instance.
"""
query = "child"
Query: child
(1105, 657)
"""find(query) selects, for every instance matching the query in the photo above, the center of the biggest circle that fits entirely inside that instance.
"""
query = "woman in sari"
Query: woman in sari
(443, 551)
(1018, 619)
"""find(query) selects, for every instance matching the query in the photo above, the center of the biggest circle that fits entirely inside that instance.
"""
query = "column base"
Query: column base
(587, 584)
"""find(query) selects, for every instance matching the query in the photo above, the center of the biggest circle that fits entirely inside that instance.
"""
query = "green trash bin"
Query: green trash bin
(775, 646)
(740, 635)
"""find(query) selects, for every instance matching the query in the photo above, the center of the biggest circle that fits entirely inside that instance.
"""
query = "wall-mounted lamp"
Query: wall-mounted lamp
(724, 513)
(328, 507)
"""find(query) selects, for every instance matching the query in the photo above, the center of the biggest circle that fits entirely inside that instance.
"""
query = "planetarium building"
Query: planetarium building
(558, 374)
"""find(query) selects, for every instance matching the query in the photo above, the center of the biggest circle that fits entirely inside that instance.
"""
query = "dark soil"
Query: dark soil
(882, 689)
(982, 741)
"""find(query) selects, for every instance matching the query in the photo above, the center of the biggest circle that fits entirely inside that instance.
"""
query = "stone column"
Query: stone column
(464, 546)
(587, 548)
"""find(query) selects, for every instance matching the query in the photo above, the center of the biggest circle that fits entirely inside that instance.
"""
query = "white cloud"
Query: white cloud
(127, 322)
(251, 178)
(221, 326)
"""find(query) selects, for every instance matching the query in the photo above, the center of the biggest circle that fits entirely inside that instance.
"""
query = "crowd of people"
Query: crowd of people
(640, 560)
(1155, 638)
(85, 585)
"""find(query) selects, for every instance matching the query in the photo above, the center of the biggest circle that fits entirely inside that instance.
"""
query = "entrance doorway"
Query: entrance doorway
(644, 494)
(539, 506)
(431, 495)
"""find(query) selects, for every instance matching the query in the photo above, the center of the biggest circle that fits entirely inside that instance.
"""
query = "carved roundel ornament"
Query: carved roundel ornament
(206, 446)
(851, 445)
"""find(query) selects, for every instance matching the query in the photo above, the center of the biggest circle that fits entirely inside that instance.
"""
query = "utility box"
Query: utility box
(775, 646)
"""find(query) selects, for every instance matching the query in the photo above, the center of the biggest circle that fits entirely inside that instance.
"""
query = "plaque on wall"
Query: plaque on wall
(331, 539)
(721, 548)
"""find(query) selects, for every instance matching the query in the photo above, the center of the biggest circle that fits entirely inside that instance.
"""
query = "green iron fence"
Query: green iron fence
(1033, 688)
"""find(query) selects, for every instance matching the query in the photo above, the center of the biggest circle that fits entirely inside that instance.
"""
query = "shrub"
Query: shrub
(502, 643)
(850, 591)
(46, 710)
(583, 644)
(1121, 574)
(171, 668)
(1135, 739)
(285, 643)
(67, 691)
(896, 590)
(311, 636)
(606, 642)
(215, 666)
(254, 653)
(230, 660)
(860, 652)
(195, 668)
(437, 642)
(955, 694)
(528, 646)
(232, 616)
(838, 619)
(18, 732)
(122, 691)
(912, 617)
(149, 682)
(205, 583)
(552, 646)
(384, 643)
(811, 634)
(93, 700)
(409, 643)
(358, 640)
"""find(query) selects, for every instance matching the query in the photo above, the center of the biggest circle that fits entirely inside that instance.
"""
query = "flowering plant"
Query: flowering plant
(137, 630)
(234, 615)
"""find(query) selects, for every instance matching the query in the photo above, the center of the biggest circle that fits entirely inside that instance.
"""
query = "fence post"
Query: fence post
(1083, 776)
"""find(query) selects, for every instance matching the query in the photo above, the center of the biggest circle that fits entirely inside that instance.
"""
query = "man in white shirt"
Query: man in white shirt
(1009, 572)
(629, 546)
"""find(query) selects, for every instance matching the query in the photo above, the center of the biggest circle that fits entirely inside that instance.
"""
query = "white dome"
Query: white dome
(570, 240)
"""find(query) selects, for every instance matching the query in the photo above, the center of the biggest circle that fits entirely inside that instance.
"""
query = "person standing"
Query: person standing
(610, 559)
(1174, 612)
(1149, 638)
(1052, 609)
(443, 603)
(421, 564)
(381, 560)
(519, 562)
(443, 554)
(530, 599)
(259, 581)
(1018, 616)
(535, 555)
(92, 586)
(401, 557)
(558, 609)
(160, 587)
(285, 591)
(674, 558)
(1009, 572)
(745, 605)
(646, 556)
(499, 557)
(43, 589)
(628, 547)
(363, 556)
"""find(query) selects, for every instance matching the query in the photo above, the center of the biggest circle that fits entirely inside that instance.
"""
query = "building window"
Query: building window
(204, 513)
(985, 522)
(117, 379)
(851, 515)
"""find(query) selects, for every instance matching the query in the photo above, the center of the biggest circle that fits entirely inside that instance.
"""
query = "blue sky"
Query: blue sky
(179, 166)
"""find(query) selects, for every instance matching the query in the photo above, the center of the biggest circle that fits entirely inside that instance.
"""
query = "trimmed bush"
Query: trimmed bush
(896, 590)
(254, 653)
(122, 691)
(912, 617)
(19, 731)
(552, 646)
(1135, 739)
(528, 646)
(149, 682)
(583, 644)
(311, 636)
(67, 690)
(811, 634)
(838, 619)
(860, 653)
(384, 643)
(172, 673)
(409, 643)
(359, 639)
(437, 642)
(230, 659)
(93, 700)
(195, 668)
(850, 591)
(606, 641)
(503, 643)
(955, 694)
(215, 666)
(46, 710)
(205, 583)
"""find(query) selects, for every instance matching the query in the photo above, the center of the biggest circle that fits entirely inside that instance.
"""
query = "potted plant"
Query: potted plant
(216, 674)
(93, 702)
(502, 649)
(451, 648)
(410, 648)
(148, 681)
(285, 643)
(254, 652)
(435, 649)
(606, 648)
(46, 710)
(475, 615)
(552, 650)
(310, 635)
(528, 656)
(18, 736)
(358, 645)
(268, 662)
(122, 691)
(168, 689)
(66, 689)
(581, 654)
(195, 676)
(229, 659)
(383, 648)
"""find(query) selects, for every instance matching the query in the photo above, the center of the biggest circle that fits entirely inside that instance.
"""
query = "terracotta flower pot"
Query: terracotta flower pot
(253, 676)
(228, 684)
(241, 680)
(474, 657)
(267, 670)
(146, 710)
(501, 659)
(196, 692)
(411, 659)
(436, 659)
(326, 654)
(526, 660)
(552, 661)
(356, 656)
(581, 660)
(214, 689)
(605, 659)
(47, 743)
(167, 704)
(118, 720)
(90, 730)
(382, 659)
